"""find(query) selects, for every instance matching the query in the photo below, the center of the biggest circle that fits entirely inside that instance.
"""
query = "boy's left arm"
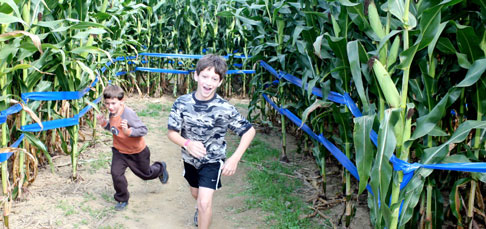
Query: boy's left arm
(133, 126)
(231, 163)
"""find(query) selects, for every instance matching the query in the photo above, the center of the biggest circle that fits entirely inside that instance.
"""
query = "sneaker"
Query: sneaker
(195, 218)
(165, 175)
(121, 206)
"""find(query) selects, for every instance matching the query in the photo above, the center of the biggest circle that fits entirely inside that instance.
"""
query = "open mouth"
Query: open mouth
(207, 90)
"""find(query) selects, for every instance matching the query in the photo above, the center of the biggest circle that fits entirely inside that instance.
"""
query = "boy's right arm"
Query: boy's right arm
(194, 148)
(101, 120)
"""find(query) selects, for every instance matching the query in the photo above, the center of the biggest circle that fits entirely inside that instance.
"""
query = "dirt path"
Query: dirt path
(54, 201)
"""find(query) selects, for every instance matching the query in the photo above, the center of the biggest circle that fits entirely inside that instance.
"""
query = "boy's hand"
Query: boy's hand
(196, 149)
(101, 119)
(229, 167)
(124, 125)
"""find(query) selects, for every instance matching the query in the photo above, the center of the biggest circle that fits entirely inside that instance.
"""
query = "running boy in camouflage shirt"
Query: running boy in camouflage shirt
(198, 123)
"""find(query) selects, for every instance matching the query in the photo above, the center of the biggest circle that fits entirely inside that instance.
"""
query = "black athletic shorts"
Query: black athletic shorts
(208, 176)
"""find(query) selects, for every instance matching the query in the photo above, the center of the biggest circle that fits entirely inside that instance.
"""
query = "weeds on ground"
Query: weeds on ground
(117, 226)
(241, 105)
(153, 110)
(103, 160)
(272, 188)
(68, 208)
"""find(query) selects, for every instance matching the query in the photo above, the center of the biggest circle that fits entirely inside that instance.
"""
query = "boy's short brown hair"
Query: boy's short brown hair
(113, 91)
(212, 61)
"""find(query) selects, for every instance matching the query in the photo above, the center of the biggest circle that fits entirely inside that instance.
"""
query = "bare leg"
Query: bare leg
(204, 206)
(194, 192)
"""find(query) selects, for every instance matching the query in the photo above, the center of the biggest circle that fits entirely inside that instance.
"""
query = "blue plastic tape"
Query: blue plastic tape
(269, 68)
(121, 73)
(398, 165)
(172, 71)
(159, 70)
(52, 95)
(53, 124)
(189, 56)
(333, 96)
(338, 154)
(229, 72)
(5, 156)
(58, 95)
(87, 108)
(11, 110)
(49, 125)
(171, 55)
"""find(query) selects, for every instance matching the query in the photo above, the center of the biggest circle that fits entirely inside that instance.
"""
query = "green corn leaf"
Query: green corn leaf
(85, 34)
(318, 50)
(450, 2)
(429, 26)
(406, 57)
(381, 172)
(364, 148)
(356, 13)
(7, 19)
(468, 42)
(463, 61)
(433, 155)
(355, 65)
(34, 38)
(12, 5)
(317, 104)
(482, 45)
(474, 73)
(87, 25)
(51, 24)
(437, 154)
(454, 199)
(297, 31)
(397, 9)
(91, 49)
(18, 67)
(7, 52)
(338, 45)
(456, 158)
(410, 195)
(479, 176)
(445, 45)
(437, 206)
(427, 122)
(39, 145)
(437, 132)
(93, 105)
(83, 147)
(348, 3)
(433, 43)
(335, 26)
(56, 49)
(87, 69)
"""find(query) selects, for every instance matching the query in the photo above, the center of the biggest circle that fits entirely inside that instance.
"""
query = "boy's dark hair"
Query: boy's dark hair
(212, 61)
(113, 91)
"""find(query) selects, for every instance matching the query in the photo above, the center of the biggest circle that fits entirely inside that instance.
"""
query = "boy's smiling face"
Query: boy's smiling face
(113, 105)
(208, 82)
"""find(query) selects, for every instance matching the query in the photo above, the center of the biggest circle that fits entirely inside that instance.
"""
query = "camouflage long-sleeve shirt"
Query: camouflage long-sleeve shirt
(206, 122)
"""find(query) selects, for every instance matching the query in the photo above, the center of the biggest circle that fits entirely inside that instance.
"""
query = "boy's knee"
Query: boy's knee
(117, 174)
(204, 205)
